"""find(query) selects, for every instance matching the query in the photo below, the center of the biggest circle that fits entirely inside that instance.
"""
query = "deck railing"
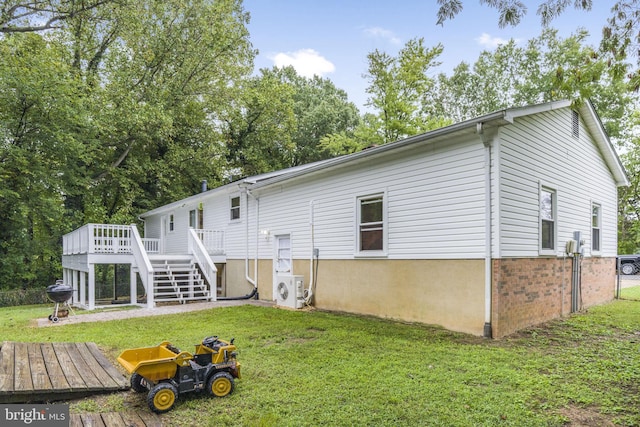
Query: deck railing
(98, 239)
(213, 241)
(152, 246)
(208, 268)
(144, 264)
(117, 239)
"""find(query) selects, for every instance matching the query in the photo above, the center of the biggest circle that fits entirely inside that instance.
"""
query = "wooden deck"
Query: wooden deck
(116, 419)
(46, 372)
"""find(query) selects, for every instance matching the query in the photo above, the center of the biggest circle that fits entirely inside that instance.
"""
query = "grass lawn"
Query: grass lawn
(632, 293)
(311, 368)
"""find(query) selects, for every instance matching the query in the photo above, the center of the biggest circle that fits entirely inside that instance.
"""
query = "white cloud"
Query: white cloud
(381, 33)
(491, 42)
(307, 62)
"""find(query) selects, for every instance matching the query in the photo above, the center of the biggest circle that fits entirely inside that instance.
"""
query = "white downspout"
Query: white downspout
(486, 142)
(308, 295)
(253, 281)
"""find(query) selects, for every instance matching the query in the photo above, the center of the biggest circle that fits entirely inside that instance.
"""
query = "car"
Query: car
(629, 264)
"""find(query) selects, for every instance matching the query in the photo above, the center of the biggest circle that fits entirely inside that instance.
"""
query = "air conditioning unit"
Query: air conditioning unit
(290, 291)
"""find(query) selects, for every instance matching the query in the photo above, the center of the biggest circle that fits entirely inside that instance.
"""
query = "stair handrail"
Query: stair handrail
(204, 261)
(143, 262)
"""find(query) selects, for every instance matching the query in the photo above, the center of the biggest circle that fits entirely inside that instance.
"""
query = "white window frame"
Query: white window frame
(193, 218)
(598, 227)
(384, 224)
(554, 220)
(283, 254)
(233, 208)
(171, 223)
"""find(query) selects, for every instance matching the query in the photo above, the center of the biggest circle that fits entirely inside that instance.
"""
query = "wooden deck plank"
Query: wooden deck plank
(22, 380)
(56, 376)
(45, 372)
(75, 420)
(92, 420)
(132, 419)
(113, 419)
(108, 367)
(6, 366)
(68, 368)
(39, 374)
(150, 419)
(86, 373)
(103, 376)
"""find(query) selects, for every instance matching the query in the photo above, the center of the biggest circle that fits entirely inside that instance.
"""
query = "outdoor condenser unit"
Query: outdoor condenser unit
(290, 291)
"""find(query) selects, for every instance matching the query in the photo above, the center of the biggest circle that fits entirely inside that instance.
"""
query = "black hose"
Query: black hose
(252, 294)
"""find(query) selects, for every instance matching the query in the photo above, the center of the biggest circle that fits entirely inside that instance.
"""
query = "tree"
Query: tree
(396, 86)
(319, 109)
(279, 118)
(548, 68)
(110, 113)
(621, 37)
(20, 16)
(512, 11)
(39, 114)
(258, 126)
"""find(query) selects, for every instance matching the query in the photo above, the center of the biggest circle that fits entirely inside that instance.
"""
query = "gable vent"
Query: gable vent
(575, 123)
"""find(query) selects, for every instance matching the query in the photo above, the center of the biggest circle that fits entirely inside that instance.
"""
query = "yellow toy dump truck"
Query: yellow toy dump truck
(166, 372)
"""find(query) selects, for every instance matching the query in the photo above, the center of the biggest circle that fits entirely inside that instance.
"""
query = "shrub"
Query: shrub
(23, 297)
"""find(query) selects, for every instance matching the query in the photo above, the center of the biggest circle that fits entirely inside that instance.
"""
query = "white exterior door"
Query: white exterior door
(283, 264)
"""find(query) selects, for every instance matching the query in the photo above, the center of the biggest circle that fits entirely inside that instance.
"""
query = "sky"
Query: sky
(331, 38)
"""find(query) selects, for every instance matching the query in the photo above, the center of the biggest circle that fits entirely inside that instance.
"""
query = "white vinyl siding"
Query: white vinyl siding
(542, 148)
(434, 204)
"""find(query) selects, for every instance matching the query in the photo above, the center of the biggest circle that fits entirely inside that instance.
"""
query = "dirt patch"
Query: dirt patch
(585, 417)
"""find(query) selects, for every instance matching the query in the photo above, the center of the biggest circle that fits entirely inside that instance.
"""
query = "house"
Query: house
(486, 226)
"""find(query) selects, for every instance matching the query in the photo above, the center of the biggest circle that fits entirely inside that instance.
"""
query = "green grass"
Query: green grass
(314, 368)
(632, 293)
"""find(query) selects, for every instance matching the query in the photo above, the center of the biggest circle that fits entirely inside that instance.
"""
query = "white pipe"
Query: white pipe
(247, 193)
(308, 295)
(486, 141)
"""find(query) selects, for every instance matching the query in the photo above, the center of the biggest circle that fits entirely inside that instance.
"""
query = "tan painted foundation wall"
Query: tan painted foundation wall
(449, 293)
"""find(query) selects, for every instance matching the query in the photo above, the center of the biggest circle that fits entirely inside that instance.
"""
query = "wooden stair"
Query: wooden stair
(178, 281)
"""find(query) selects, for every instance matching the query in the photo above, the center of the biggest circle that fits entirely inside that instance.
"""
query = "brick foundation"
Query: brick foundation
(528, 291)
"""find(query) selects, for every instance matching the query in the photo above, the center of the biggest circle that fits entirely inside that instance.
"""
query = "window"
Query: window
(575, 123)
(371, 224)
(195, 218)
(235, 208)
(547, 219)
(171, 223)
(283, 249)
(596, 220)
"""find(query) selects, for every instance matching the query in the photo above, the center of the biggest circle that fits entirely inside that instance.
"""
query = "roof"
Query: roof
(475, 125)
(229, 188)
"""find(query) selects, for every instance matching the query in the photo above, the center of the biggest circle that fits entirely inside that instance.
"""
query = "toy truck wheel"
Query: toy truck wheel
(136, 383)
(162, 397)
(220, 384)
